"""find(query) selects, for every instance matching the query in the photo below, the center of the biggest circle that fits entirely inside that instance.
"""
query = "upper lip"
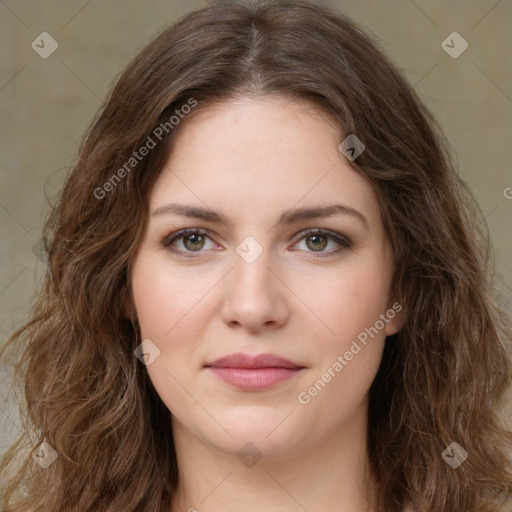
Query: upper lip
(240, 360)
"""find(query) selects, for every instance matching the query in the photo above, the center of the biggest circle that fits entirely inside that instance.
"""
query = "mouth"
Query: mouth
(254, 373)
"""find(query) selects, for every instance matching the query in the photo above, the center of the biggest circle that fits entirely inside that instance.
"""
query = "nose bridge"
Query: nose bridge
(252, 266)
(253, 296)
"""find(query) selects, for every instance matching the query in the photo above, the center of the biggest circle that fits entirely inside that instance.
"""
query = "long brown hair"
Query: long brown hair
(443, 376)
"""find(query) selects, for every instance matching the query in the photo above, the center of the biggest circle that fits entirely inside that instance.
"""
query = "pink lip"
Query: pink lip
(254, 373)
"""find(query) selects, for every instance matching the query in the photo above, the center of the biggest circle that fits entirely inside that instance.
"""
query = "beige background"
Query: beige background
(47, 104)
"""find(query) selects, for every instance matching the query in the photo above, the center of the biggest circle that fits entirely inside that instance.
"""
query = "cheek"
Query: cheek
(351, 334)
(168, 306)
(168, 298)
(349, 350)
(348, 301)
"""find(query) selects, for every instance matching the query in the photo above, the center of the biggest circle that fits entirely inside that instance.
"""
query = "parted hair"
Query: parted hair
(444, 376)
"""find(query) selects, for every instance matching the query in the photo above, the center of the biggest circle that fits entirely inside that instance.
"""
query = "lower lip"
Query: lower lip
(255, 379)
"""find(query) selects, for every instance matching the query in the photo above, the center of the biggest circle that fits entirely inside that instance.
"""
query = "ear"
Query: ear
(395, 315)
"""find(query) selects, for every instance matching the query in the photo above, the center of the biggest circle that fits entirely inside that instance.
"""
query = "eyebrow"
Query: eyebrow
(287, 217)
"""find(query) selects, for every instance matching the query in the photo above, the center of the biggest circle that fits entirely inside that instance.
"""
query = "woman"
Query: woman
(265, 290)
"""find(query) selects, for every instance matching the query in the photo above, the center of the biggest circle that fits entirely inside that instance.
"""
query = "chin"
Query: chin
(267, 434)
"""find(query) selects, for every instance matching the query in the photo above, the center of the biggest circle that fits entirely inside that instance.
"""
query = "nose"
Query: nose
(255, 296)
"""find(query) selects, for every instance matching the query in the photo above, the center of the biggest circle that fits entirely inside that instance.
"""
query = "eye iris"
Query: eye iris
(198, 239)
(319, 244)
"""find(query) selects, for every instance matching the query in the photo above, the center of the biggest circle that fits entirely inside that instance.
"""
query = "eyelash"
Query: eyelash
(344, 242)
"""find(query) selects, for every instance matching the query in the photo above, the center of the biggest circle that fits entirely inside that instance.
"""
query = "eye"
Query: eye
(318, 239)
(194, 240)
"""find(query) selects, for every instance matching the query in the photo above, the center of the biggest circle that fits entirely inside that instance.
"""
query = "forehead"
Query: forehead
(275, 123)
(260, 155)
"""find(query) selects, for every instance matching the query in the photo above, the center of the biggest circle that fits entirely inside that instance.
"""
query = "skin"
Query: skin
(252, 160)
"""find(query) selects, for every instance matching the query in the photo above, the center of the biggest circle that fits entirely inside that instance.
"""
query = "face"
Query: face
(265, 274)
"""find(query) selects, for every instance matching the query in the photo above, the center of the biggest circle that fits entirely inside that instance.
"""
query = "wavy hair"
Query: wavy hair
(444, 376)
